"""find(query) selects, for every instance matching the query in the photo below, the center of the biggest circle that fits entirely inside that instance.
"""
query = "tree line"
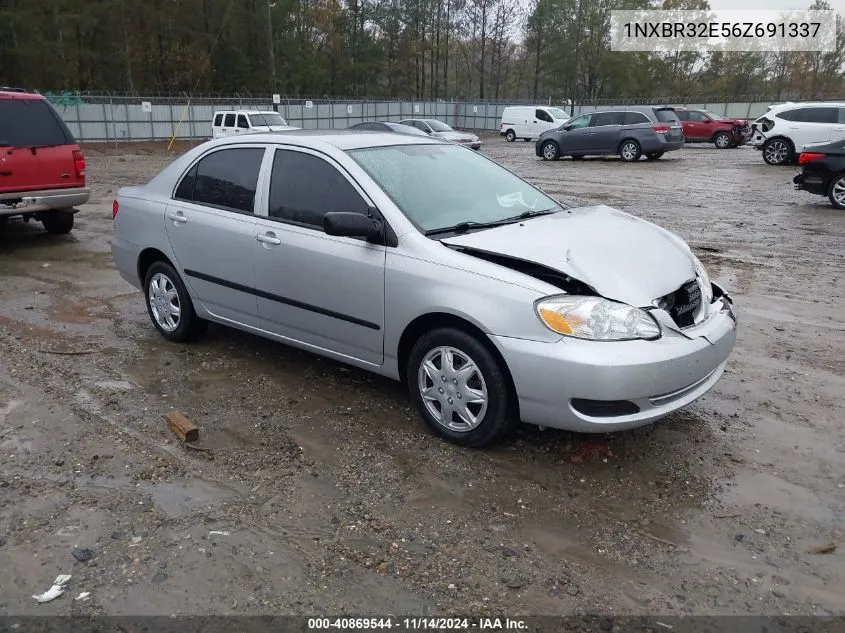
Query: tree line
(404, 49)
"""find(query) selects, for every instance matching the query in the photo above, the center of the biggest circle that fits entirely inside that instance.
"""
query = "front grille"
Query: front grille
(682, 304)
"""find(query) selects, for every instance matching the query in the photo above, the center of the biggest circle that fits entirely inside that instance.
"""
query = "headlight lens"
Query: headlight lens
(703, 281)
(596, 319)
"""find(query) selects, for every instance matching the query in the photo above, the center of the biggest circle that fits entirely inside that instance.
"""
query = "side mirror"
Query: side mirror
(566, 128)
(346, 224)
(707, 121)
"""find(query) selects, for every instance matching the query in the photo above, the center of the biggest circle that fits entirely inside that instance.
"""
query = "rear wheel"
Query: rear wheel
(654, 155)
(550, 151)
(836, 193)
(459, 388)
(58, 222)
(777, 151)
(722, 140)
(169, 304)
(510, 136)
(630, 151)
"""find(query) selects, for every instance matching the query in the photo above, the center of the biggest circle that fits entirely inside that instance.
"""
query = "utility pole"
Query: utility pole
(577, 58)
(271, 51)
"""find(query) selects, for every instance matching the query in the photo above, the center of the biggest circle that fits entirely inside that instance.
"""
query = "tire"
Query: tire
(836, 192)
(654, 155)
(630, 151)
(777, 151)
(722, 140)
(510, 136)
(550, 151)
(477, 425)
(170, 291)
(58, 222)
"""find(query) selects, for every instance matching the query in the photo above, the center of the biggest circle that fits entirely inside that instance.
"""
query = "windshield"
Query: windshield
(267, 118)
(714, 116)
(558, 113)
(437, 126)
(438, 186)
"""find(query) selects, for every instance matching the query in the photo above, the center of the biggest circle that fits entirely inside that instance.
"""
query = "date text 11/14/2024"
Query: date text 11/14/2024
(417, 624)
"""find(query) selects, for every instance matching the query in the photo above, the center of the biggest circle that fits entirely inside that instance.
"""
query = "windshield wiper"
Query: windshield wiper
(463, 227)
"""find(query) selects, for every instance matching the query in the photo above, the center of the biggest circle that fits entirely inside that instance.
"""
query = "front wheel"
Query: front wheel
(722, 140)
(169, 304)
(550, 150)
(58, 222)
(510, 136)
(836, 194)
(630, 151)
(777, 151)
(459, 388)
(654, 155)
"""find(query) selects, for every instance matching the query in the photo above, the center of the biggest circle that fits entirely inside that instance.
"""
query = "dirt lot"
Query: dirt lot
(325, 494)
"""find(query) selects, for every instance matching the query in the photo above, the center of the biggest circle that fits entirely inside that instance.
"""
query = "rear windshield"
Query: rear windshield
(31, 123)
(666, 115)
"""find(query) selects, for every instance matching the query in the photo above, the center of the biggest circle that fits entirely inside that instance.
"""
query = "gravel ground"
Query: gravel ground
(323, 493)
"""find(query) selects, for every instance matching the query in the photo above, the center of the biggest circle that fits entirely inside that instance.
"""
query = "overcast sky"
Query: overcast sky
(838, 5)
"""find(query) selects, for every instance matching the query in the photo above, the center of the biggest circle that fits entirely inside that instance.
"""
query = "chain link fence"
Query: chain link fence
(126, 118)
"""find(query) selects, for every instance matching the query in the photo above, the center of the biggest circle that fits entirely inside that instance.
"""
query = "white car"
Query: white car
(239, 122)
(785, 129)
(527, 122)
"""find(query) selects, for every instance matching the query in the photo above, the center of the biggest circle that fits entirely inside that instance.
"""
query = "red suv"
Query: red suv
(42, 170)
(703, 126)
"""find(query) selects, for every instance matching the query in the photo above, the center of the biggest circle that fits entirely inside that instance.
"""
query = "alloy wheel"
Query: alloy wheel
(837, 192)
(776, 152)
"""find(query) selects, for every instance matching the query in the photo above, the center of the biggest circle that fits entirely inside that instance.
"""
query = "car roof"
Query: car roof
(343, 140)
(809, 104)
(16, 94)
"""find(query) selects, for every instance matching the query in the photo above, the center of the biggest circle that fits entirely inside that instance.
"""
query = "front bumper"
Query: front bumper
(26, 202)
(654, 378)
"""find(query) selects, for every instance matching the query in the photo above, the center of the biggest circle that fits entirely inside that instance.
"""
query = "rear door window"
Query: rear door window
(608, 118)
(31, 123)
(796, 114)
(226, 179)
(633, 118)
(822, 115)
(230, 120)
(683, 115)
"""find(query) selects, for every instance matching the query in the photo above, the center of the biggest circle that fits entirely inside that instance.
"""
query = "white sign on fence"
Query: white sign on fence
(309, 104)
(475, 109)
(146, 106)
(277, 99)
(416, 108)
(349, 109)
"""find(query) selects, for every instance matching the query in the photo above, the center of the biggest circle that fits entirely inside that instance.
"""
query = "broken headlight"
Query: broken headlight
(703, 281)
(596, 319)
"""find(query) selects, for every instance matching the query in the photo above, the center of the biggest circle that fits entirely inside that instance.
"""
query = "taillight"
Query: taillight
(115, 207)
(810, 157)
(79, 164)
(663, 129)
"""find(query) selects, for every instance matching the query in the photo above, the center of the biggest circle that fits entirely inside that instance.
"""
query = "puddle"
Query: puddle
(178, 500)
(759, 488)
(83, 312)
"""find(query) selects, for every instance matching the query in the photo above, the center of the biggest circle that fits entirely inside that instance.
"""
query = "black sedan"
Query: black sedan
(387, 126)
(823, 171)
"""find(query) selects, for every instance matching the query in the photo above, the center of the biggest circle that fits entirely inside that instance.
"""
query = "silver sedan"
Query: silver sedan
(429, 263)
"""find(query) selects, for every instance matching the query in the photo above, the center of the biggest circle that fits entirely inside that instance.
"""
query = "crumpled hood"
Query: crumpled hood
(620, 256)
(455, 136)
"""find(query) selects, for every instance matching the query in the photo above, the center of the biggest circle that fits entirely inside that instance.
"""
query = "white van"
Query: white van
(237, 122)
(527, 122)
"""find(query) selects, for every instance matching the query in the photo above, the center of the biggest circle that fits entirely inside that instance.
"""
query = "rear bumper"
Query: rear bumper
(25, 202)
(811, 183)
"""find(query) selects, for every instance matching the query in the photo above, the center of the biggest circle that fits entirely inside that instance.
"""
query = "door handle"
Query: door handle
(178, 217)
(268, 238)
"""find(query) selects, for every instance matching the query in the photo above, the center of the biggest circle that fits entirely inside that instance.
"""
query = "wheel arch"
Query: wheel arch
(434, 320)
(625, 140)
(147, 258)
